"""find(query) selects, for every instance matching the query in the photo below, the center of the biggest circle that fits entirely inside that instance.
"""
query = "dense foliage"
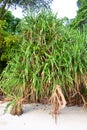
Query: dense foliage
(81, 2)
(12, 22)
(8, 38)
(81, 19)
(49, 54)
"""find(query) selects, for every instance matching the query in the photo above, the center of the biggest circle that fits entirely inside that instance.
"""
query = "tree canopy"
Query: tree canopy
(81, 2)
(11, 21)
(25, 4)
(81, 18)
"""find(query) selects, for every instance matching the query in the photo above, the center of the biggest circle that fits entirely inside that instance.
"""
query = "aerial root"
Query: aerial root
(58, 101)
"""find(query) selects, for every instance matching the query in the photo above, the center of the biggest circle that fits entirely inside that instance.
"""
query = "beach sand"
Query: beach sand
(38, 117)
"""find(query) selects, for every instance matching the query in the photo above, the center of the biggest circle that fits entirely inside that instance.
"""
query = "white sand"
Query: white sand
(37, 117)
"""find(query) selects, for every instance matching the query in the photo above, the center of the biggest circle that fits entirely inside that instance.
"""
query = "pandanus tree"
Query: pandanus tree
(51, 60)
(33, 68)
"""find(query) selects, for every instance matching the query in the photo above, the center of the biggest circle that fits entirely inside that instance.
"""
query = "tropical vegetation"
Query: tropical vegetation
(46, 60)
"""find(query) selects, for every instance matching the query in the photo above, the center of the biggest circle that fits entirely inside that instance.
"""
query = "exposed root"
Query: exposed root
(58, 101)
(17, 109)
(82, 97)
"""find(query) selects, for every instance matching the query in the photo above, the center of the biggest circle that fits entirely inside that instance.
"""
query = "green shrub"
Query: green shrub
(49, 54)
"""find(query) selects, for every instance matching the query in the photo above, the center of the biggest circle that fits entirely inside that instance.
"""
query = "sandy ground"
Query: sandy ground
(37, 117)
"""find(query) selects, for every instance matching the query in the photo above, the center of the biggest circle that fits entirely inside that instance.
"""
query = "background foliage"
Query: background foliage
(81, 19)
(34, 5)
